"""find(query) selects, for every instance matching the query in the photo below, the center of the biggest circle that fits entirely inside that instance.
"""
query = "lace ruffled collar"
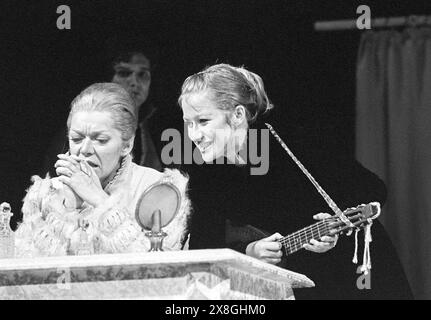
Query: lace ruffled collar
(119, 175)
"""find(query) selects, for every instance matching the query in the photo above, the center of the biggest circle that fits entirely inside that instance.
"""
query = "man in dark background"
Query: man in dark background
(133, 70)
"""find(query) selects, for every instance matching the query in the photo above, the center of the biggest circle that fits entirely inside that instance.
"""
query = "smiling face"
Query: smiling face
(135, 77)
(92, 136)
(207, 125)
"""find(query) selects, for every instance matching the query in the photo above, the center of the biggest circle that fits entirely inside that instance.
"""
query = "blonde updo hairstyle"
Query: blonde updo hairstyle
(111, 98)
(230, 86)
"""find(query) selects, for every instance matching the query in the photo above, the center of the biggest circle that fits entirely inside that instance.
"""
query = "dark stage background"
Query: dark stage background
(310, 76)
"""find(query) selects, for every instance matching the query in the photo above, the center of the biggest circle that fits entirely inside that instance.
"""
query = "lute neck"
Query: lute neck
(294, 241)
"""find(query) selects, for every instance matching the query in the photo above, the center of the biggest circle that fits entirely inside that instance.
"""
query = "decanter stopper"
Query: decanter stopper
(7, 236)
(156, 235)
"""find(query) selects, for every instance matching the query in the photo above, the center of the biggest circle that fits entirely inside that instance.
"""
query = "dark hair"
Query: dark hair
(122, 49)
(230, 86)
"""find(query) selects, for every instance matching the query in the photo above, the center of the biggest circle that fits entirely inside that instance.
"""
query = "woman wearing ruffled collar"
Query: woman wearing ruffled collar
(98, 186)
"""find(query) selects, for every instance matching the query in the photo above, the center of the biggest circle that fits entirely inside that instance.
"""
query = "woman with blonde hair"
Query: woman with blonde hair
(98, 186)
(230, 119)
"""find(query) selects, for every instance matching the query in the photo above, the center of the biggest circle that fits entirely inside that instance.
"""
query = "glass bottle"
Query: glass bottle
(7, 236)
(85, 245)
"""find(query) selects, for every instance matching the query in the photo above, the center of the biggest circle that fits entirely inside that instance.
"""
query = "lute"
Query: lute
(359, 217)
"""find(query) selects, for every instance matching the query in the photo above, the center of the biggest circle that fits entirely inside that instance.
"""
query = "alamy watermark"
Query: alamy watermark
(63, 280)
(364, 20)
(254, 151)
(64, 21)
(364, 280)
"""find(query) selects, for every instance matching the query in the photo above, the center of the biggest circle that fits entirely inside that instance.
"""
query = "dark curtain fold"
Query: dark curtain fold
(393, 139)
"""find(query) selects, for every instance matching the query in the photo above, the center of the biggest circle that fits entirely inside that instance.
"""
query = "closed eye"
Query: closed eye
(76, 140)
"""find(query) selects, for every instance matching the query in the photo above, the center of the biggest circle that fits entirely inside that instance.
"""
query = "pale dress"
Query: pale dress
(51, 229)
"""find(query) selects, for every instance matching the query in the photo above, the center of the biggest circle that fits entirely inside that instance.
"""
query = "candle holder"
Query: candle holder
(156, 240)
(156, 235)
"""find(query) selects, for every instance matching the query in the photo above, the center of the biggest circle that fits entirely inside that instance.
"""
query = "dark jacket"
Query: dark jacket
(284, 200)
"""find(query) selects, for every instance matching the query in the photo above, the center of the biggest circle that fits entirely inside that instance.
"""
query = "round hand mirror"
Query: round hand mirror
(163, 196)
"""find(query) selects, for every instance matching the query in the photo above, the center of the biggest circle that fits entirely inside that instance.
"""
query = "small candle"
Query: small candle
(156, 221)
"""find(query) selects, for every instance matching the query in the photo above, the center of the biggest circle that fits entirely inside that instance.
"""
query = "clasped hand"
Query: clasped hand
(269, 249)
(81, 178)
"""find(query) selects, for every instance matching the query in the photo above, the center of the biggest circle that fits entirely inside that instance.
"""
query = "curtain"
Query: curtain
(393, 139)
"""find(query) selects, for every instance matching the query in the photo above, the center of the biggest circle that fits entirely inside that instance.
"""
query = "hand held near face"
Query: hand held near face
(80, 181)
(71, 199)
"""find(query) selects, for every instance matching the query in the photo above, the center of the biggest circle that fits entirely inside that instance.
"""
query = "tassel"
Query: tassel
(355, 255)
(366, 261)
